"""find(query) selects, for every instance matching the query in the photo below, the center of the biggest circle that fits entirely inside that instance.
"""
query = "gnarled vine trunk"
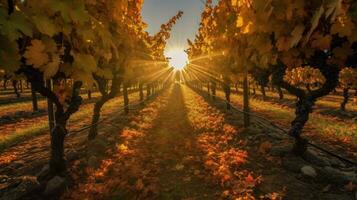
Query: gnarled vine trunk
(246, 99)
(262, 90)
(34, 100)
(213, 89)
(126, 98)
(57, 160)
(106, 96)
(306, 99)
(95, 118)
(227, 92)
(5, 84)
(345, 99)
(14, 85)
(89, 94)
(280, 93)
(303, 109)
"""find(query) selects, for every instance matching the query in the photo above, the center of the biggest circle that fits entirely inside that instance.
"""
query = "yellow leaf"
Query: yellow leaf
(314, 22)
(85, 62)
(52, 67)
(179, 167)
(45, 25)
(296, 35)
(239, 21)
(283, 44)
(343, 27)
(321, 42)
(35, 54)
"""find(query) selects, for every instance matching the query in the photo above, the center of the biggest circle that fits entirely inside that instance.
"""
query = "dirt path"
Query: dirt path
(182, 147)
(173, 142)
(156, 157)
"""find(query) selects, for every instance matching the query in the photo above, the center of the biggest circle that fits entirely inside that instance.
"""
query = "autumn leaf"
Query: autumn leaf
(225, 194)
(250, 181)
(265, 147)
(85, 62)
(321, 42)
(239, 21)
(283, 44)
(314, 22)
(296, 35)
(35, 54)
(45, 25)
(139, 185)
(51, 68)
(179, 167)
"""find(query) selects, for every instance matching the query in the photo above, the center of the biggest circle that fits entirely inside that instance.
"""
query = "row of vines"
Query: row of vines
(63, 47)
(308, 48)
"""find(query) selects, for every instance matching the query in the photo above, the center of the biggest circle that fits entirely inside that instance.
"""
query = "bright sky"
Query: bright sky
(157, 12)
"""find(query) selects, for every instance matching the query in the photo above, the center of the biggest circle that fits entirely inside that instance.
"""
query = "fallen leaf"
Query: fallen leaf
(250, 181)
(187, 179)
(139, 184)
(265, 147)
(225, 194)
(179, 167)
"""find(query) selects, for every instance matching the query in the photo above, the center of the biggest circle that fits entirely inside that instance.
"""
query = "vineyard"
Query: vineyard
(261, 103)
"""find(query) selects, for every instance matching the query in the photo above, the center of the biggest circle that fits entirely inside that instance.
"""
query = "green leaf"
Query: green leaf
(71, 11)
(15, 25)
(9, 56)
(51, 68)
(86, 33)
(85, 62)
(45, 25)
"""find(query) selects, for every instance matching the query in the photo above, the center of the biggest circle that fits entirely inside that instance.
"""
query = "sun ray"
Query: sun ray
(178, 58)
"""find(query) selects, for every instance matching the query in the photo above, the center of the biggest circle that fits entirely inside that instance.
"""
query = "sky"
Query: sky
(157, 12)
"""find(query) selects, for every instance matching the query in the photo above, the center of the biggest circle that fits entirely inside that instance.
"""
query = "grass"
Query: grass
(22, 135)
(26, 105)
(317, 124)
(322, 102)
(83, 115)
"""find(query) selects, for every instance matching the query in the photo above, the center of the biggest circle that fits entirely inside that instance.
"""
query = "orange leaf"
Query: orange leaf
(265, 147)
(250, 181)
(139, 184)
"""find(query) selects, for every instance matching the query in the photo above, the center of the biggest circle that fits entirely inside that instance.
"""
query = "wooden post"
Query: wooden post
(34, 100)
(246, 99)
(126, 98)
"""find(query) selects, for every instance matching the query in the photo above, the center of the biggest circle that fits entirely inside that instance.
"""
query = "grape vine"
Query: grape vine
(289, 38)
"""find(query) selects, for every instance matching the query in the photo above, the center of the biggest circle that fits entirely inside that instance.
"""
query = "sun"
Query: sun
(178, 58)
